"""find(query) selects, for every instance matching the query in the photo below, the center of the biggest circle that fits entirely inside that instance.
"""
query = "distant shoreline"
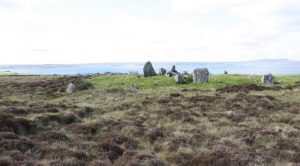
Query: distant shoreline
(279, 66)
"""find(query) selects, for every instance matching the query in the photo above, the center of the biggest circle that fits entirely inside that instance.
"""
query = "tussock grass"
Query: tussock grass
(162, 123)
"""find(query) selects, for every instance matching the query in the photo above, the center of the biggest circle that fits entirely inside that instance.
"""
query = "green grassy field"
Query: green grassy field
(215, 81)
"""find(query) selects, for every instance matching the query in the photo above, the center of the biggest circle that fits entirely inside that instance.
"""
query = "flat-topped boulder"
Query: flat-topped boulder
(201, 75)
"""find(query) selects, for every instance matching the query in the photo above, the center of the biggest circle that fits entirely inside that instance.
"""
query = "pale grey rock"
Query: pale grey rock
(134, 87)
(201, 75)
(179, 79)
(71, 88)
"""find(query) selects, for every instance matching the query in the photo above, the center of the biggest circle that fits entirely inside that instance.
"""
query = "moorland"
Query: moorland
(231, 120)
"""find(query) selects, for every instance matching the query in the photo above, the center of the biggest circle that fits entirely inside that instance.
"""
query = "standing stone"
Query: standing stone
(268, 79)
(71, 88)
(174, 69)
(149, 70)
(201, 75)
(225, 72)
(162, 71)
(179, 79)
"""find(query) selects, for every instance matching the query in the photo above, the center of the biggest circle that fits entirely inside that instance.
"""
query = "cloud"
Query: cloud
(64, 31)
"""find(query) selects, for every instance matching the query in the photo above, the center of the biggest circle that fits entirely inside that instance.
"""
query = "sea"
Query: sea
(279, 66)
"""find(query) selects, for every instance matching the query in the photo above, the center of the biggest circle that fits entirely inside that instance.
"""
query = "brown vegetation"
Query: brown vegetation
(238, 125)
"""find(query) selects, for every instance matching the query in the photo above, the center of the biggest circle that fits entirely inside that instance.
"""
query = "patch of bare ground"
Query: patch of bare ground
(246, 88)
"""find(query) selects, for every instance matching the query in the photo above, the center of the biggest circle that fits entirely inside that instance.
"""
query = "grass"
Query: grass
(215, 81)
(191, 124)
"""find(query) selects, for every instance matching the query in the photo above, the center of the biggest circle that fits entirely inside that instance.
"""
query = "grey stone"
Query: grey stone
(162, 71)
(179, 79)
(201, 75)
(134, 87)
(268, 79)
(172, 74)
(71, 88)
(149, 70)
(174, 69)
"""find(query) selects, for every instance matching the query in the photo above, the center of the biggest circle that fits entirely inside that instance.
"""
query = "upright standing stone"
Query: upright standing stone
(174, 69)
(268, 79)
(71, 88)
(201, 75)
(162, 71)
(149, 70)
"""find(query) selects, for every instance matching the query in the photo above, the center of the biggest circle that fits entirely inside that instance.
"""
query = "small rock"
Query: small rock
(134, 87)
(162, 71)
(268, 79)
(149, 70)
(71, 88)
(201, 75)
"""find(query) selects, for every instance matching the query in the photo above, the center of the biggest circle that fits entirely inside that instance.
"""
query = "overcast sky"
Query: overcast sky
(97, 31)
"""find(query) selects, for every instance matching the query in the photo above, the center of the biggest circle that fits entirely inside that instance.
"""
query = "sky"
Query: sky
(100, 31)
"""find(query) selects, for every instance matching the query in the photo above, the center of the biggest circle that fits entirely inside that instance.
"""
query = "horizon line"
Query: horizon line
(241, 61)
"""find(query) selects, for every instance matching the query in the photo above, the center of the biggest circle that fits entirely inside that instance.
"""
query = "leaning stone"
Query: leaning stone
(149, 70)
(162, 71)
(201, 75)
(71, 88)
(268, 79)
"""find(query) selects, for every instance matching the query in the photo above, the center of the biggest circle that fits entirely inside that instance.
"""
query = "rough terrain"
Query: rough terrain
(162, 123)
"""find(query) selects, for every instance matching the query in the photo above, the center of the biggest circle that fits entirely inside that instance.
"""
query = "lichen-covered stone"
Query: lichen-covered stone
(179, 79)
(71, 88)
(201, 75)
